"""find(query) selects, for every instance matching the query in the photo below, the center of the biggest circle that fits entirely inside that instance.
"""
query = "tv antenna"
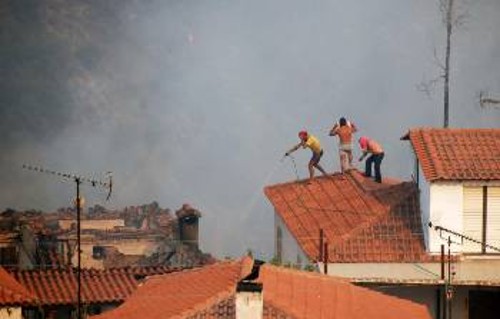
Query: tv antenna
(79, 180)
(485, 101)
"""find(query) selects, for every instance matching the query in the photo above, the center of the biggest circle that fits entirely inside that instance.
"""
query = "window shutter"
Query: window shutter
(493, 219)
(473, 218)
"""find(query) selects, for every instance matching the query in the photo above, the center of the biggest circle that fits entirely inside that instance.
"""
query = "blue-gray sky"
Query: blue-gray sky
(196, 101)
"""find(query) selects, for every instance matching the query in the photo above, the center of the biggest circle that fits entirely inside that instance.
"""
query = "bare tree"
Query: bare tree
(447, 8)
(451, 20)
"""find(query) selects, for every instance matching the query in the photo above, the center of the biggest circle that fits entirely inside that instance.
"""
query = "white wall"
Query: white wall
(291, 249)
(425, 199)
(249, 305)
(445, 210)
(473, 268)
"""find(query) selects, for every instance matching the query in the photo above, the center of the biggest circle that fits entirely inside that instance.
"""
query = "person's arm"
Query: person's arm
(354, 128)
(293, 149)
(333, 131)
(365, 152)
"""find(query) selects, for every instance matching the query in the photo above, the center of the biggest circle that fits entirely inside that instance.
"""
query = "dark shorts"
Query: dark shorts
(316, 157)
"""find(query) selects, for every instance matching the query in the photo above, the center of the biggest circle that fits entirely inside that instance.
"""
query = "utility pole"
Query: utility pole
(78, 181)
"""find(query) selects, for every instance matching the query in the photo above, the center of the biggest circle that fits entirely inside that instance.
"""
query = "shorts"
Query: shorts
(316, 157)
(345, 147)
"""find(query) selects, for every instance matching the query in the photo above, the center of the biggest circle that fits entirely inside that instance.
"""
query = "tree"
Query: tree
(451, 20)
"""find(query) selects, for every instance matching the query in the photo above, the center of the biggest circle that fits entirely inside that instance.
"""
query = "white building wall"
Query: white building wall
(445, 210)
(425, 199)
(291, 252)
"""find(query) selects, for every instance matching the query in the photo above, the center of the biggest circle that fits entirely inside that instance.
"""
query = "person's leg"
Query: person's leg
(311, 170)
(343, 161)
(378, 161)
(320, 169)
(368, 166)
(349, 155)
(314, 162)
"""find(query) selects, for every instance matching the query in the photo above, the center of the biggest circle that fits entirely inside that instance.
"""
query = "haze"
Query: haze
(197, 101)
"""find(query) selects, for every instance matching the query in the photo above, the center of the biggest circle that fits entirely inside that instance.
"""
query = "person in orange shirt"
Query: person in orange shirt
(344, 130)
(370, 146)
(311, 142)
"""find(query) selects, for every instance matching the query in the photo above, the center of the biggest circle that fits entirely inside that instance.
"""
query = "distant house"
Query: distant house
(13, 296)
(145, 235)
(378, 235)
(245, 289)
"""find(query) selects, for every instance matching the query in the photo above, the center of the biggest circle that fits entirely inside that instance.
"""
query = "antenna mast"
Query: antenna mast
(78, 179)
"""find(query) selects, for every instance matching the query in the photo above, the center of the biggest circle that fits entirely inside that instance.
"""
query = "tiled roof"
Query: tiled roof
(310, 295)
(140, 272)
(59, 286)
(187, 294)
(362, 221)
(457, 154)
(13, 293)
(210, 292)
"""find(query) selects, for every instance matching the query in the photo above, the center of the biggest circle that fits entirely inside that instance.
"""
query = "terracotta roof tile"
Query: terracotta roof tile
(457, 154)
(196, 293)
(311, 295)
(362, 221)
(59, 286)
(12, 292)
(209, 292)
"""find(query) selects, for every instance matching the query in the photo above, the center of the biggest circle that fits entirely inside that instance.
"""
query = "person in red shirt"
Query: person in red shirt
(370, 146)
(344, 130)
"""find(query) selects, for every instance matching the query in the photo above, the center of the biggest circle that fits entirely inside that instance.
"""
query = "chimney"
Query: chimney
(249, 300)
(187, 218)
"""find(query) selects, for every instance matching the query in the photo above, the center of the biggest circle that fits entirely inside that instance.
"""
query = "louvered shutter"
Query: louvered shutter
(493, 219)
(473, 218)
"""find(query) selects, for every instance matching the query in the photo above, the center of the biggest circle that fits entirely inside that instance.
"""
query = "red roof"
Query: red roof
(310, 295)
(205, 290)
(11, 292)
(457, 154)
(362, 221)
(59, 286)
(210, 292)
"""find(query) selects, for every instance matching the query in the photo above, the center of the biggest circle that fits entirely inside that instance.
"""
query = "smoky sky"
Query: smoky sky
(197, 101)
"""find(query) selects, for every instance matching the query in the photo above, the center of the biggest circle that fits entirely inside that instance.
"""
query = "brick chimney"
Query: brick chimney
(187, 218)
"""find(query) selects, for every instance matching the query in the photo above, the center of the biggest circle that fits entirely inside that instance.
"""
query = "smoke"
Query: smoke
(196, 101)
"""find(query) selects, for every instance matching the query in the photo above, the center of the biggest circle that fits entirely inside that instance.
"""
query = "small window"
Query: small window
(98, 252)
(8, 256)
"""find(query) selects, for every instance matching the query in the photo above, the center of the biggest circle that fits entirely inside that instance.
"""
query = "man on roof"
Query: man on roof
(310, 141)
(370, 146)
(344, 130)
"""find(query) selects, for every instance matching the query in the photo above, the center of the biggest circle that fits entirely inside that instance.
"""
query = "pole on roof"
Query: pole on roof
(449, 287)
(442, 262)
(325, 259)
(442, 289)
(78, 240)
(78, 180)
(320, 250)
